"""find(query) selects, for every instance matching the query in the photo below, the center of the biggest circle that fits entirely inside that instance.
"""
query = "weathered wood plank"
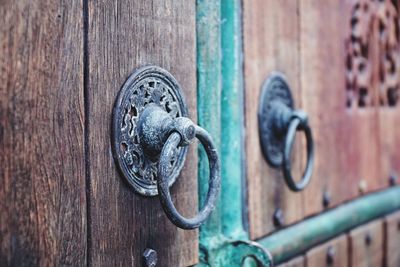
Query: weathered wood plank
(392, 240)
(332, 253)
(42, 171)
(366, 245)
(271, 42)
(122, 36)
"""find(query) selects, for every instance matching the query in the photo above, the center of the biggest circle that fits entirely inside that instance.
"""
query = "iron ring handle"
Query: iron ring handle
(297, 123)
(173, 141)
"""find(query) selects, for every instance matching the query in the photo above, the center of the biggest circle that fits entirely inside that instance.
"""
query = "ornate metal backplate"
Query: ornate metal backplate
(275, 88)
(146, 85)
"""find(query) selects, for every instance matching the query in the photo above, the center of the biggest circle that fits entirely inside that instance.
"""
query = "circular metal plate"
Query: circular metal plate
(149, 84)
(275, 88)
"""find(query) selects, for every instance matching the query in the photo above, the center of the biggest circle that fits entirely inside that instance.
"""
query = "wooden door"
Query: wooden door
(366, 245)
(331, 254)
(122, 36)
(341, 61)
(43, 202)
(62, 64)
(392, 240)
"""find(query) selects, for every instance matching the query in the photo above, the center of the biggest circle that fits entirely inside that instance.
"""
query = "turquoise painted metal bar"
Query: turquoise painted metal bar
(298, 238)
(208, 99)
(232, 121)
(223, 240)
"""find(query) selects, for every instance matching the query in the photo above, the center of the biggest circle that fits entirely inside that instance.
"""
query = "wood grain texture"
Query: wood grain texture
(296, 262)
(321, 37)
(392, 240)
(362, 252)
(122, 36)
(338, 247)
(271, 42)
(42, 171)
(346, 139)
(317, 45)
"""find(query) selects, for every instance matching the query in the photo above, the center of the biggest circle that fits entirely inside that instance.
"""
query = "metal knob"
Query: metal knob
(278, 123)
(151, 134)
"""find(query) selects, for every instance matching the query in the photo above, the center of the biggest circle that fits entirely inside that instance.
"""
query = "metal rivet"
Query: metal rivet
(392, 180)
(278, 218)
(326, 199)
(362, 187)
(330, 255)
(150, 257)
(368, 239)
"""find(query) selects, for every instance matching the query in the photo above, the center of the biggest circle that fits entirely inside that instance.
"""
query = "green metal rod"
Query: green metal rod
(231, 121)
(208, 99)
(298, 238)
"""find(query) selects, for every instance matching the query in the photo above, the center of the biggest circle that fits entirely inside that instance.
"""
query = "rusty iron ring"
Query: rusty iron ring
(170, 145)
(298, 122)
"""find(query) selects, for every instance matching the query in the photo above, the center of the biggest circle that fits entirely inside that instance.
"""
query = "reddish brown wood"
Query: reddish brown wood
(341, 135)
(42, 170)
(392, 240)
(330, 254)
(122, 36)
(366, 245)
(271, 41)
(341, 58)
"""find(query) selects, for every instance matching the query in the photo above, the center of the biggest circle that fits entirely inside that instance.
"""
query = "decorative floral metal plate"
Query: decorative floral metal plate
(149, 84)
(275, 88)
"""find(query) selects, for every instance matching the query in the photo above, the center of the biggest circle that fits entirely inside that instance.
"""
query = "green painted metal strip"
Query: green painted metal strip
(223, 240)
(208, 99)
(232, 121)
(298, 238)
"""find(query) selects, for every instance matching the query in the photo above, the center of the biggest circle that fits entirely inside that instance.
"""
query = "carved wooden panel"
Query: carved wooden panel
(372, 58)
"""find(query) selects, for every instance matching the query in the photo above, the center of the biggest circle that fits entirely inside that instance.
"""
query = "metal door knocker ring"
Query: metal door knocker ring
(172, 143)
(278, 122)
(299, 121)
(150, 138)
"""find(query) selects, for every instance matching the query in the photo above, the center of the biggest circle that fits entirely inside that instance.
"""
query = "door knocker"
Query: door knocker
(151, 134)
(278, 122)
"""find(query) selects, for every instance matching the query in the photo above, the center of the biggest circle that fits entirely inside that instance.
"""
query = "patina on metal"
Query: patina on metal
(223, 238)
(138, 160)
(150, 140)
(184, 132)
(300, 237)
(278, 122)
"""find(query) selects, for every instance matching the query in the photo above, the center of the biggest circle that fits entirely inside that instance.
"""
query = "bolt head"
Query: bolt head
(330, 255)
(368, 239)
(362, 186)
(392, 180)
(278, 218)
(326, 199)
(150, 257)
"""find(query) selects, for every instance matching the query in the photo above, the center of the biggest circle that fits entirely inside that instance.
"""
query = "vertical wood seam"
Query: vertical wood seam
(85, 17)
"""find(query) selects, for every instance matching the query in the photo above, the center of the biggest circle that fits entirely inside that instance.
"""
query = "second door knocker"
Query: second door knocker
(278, 122)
